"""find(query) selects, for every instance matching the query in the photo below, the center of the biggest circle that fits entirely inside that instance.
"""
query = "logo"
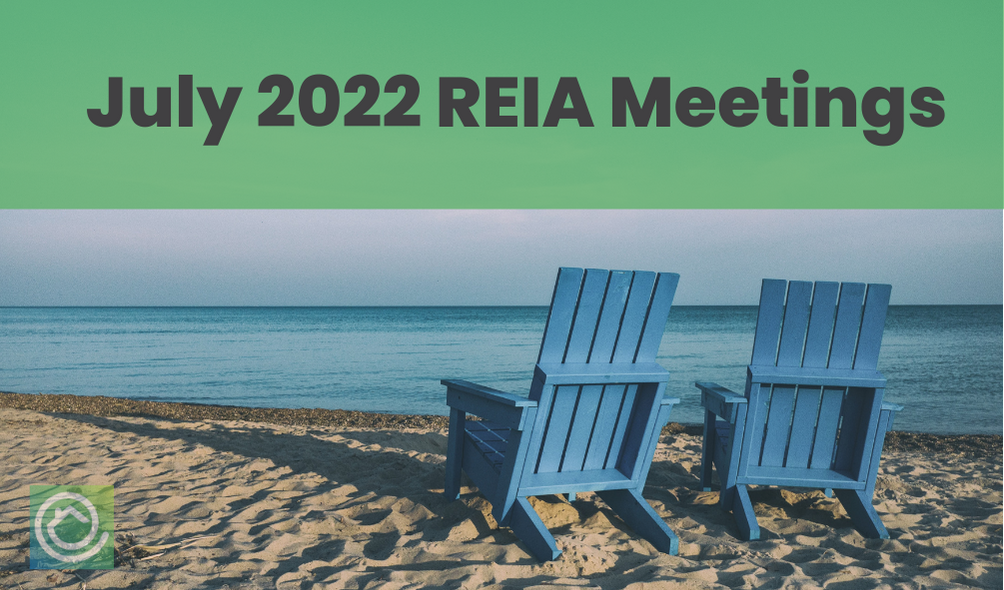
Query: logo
(72, 527)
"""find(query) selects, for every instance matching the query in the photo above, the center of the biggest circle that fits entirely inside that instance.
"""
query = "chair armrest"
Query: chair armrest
(501, 407)
(891, 407)
(888, 413)
(665, 409)
(720, 401)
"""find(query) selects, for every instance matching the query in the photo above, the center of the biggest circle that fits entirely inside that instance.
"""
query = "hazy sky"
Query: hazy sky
(481, 257)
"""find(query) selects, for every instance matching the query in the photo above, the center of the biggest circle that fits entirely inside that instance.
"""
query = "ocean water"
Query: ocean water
(943, 363)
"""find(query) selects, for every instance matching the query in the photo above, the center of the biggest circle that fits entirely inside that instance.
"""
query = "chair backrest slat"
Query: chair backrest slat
(872, 323)
(796, 320)
(628, 396)
(827, 427)
(635, 312)
(610, 322)
(845, 331)
(803, 427)
(587, 315)
(775, 438)
(561, 315)
(611, 401)
(850, 422)
(768, 322)
(555, 439)
(817, 340)
(583, 424)
(655, 322)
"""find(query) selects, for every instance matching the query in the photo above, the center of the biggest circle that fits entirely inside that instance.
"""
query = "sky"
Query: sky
(482, 257)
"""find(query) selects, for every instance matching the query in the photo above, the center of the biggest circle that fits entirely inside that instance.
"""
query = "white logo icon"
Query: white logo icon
(62, 514)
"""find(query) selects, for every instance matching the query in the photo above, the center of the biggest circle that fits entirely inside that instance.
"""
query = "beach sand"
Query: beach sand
(308, 498)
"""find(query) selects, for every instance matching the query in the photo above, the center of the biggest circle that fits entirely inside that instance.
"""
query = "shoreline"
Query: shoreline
(984, 446)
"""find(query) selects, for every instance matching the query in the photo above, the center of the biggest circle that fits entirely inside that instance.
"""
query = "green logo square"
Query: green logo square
(72, 527)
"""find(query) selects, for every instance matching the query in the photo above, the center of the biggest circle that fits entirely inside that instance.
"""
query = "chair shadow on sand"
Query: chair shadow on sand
(336, 464)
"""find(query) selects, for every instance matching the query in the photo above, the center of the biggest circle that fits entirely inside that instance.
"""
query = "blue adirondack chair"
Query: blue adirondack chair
(593, 416)
(812, 415)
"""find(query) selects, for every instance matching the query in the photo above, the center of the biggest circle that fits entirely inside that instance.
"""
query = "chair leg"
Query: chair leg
(454, 454)
(708, 450)
(742, 510)
(727, 497)
(639, 515)
(525, 523)
(859, 507)
(571, 497)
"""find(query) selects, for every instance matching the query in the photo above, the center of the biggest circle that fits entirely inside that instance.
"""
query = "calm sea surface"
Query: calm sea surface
(942, 362)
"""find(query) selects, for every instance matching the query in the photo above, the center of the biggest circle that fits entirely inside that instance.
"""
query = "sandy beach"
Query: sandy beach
(210, 497)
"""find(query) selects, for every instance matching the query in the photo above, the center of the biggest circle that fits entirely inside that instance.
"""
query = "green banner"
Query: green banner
(855, 104)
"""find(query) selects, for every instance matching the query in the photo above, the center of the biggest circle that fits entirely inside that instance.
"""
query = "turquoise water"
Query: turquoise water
(942, 362)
